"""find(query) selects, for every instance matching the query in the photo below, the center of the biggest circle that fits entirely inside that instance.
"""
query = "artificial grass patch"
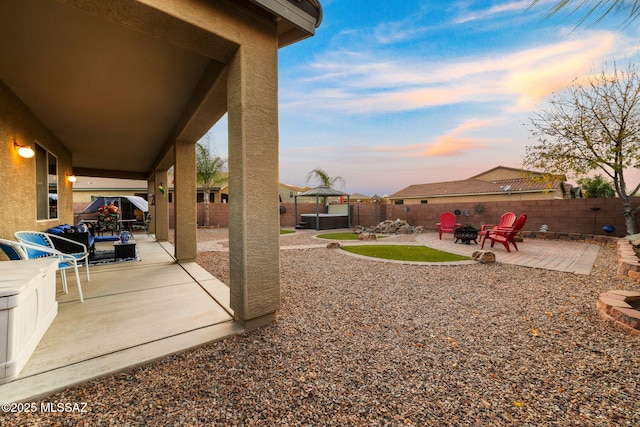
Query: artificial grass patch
(287, 231)
(405, 253)
(342, 236)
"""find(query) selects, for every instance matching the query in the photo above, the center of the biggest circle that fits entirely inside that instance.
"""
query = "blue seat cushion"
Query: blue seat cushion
(106, 238)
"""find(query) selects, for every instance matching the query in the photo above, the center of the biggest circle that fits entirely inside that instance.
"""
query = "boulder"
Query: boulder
(389, 226)
(367, 236)
(484, 257)
(334, 245)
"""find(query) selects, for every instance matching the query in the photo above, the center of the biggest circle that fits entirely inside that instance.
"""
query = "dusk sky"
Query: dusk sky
(393, 93)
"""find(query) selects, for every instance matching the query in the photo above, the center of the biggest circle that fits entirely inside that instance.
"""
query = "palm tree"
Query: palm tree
(324, 179)
(601, 7)
(208, 173)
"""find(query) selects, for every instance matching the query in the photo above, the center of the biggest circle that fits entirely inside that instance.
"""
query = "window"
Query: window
(46, 184)
(424, 202)
(398, 202)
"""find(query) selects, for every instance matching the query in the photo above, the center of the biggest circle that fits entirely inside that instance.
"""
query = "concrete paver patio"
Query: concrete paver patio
(570, 257)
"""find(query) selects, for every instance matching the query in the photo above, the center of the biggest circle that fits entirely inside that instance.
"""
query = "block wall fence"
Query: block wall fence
(561, 216)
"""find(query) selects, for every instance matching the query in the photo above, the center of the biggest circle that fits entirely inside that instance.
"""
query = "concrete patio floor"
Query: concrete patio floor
(132, 313)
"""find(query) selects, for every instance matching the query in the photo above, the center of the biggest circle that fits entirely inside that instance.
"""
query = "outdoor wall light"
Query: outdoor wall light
(71, 178)
(24, 150)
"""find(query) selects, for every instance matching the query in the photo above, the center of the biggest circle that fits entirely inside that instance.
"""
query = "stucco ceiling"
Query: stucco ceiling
(112, 95)
(117, 82)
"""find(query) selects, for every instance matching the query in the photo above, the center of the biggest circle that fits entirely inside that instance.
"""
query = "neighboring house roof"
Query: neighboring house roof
(475, 186)
(503, 172)
(294, 187)
(358, 196)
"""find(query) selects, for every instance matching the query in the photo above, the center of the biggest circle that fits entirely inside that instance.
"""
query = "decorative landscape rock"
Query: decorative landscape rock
(334, 245)
(389, 226)
(367, 236)
(484, 257)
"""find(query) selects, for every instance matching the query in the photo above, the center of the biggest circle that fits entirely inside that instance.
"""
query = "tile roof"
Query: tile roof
(476, 186)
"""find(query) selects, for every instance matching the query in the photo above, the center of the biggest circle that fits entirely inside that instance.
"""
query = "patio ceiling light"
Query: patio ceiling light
(24, 150)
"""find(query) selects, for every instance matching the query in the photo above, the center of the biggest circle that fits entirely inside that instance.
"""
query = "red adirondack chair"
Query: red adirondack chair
(506, 221)
(507, 235)
(447, 223)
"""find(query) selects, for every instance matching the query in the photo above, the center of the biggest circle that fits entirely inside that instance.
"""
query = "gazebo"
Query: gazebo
(337, 216)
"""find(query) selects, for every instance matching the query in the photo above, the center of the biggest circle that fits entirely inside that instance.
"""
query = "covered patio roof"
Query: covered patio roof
(118, 88)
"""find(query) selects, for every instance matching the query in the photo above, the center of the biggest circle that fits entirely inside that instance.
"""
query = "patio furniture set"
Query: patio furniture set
(28, 287)
(504, 232)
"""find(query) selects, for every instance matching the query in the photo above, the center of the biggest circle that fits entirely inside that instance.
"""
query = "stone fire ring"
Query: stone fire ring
(622, 308)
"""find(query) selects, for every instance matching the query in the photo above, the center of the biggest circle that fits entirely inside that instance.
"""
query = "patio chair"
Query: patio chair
(13, 250)
(21, 250)
(506, 221)
(506, 235)
(144, 226)
(107, 222)
(147, 221)
(447, 223)
(77, 250)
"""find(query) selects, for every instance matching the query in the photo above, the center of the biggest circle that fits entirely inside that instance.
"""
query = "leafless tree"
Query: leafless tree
(593, 126)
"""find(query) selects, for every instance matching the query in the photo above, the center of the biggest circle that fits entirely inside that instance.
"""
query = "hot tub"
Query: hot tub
(337, 216)
(325, 221)
(27, 308)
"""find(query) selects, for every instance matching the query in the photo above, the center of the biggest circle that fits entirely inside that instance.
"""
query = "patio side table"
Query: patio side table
(124, 250)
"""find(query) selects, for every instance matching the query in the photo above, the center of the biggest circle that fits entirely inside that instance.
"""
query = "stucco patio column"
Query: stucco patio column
(184, 199)
(254, 223)
(161, 219)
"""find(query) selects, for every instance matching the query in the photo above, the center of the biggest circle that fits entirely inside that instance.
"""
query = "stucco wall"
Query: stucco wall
(18, 191)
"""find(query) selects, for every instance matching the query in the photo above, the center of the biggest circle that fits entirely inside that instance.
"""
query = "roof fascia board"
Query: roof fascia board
(283, 9)
(439, 196)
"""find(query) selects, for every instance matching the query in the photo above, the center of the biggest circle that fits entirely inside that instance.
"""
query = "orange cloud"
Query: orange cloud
(448, 145)
(451, 143)
(358, 82)
(539, 72)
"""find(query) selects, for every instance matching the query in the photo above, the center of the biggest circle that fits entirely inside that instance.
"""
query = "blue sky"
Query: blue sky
(393, 93)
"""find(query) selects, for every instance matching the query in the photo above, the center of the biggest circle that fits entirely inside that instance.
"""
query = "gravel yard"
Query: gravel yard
(368, 343)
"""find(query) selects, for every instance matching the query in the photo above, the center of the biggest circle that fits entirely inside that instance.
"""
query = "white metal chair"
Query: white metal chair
(22, 250)
(71, 247)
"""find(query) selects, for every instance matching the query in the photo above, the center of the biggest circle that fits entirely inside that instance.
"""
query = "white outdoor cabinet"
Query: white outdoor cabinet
(27, 308)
